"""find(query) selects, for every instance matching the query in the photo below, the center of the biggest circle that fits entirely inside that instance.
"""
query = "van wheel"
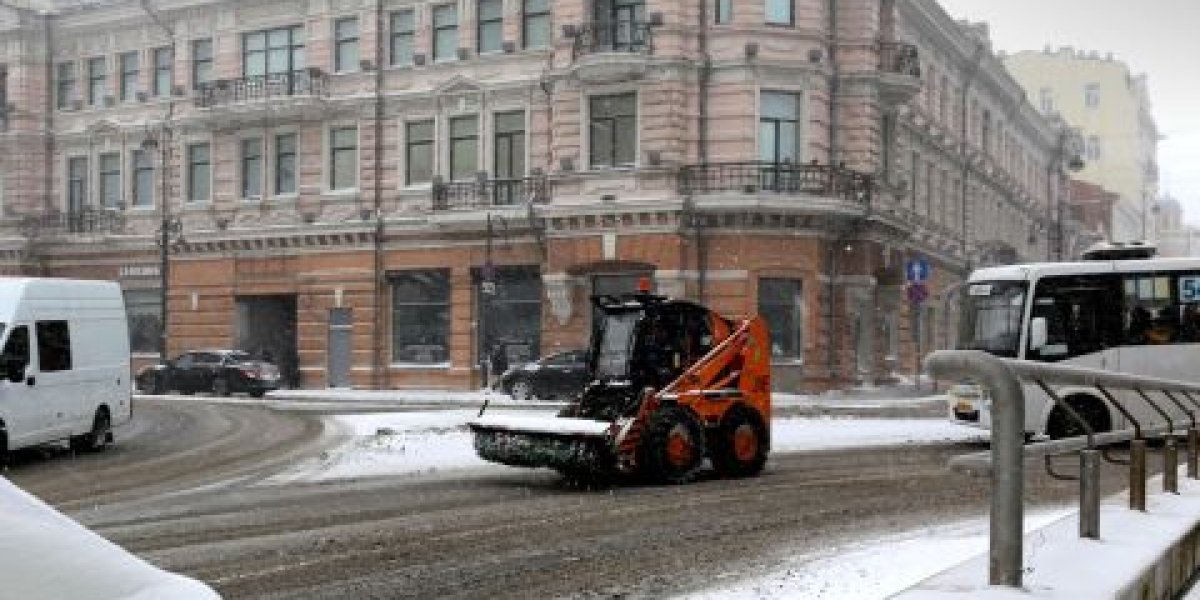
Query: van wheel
(96, 439)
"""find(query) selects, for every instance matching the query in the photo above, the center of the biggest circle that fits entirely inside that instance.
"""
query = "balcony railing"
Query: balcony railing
(634, 37)
(82, 221)
(490, 192)
(900, 59)
(310, 82)
(777, 178)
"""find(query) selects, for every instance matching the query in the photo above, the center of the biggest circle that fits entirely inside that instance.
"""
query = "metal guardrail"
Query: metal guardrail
(777, 178)
(1005, 379)
(309, 82)
(490, 192)
(900, 58)
(85, 220)
(633, 37)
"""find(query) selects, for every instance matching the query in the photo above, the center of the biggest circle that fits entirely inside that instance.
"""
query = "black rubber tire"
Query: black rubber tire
(662, 459)
(158, 387)
(220, 387)
(258, 393)
(1061, 425)
(97, 439)
(4, 452)
(744, 422)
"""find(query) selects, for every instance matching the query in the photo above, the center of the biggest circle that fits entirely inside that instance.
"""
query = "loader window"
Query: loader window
(616, 344)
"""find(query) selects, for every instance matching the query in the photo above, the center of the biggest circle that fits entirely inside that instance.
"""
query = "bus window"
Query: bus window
(1151, 316)
(1080, 315)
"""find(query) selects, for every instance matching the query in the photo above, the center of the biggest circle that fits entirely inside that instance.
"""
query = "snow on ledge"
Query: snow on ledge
(46, 555)
(555, 425)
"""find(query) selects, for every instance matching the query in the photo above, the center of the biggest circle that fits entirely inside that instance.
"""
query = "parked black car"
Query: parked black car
(221, 372)
(555, 376)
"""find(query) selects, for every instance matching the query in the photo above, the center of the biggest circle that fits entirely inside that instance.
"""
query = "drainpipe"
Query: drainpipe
(705, 77)
(48, 120)
(968, 77)
(379, 378)
(834, 86)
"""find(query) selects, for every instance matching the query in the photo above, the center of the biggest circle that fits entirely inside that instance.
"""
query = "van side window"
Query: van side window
(17, 346)
(54, 346)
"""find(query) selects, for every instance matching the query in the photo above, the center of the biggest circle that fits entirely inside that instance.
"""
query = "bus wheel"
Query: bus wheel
(1063, 425)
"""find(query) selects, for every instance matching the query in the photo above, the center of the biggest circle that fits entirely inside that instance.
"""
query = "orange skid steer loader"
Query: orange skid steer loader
(672, 383)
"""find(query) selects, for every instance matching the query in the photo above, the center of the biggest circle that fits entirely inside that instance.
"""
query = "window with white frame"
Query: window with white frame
(509, 145)
(723, 12)
(278, 51)
(464, 147)
(199, 171)
(445, 32)
(612, 134)
(780, 303)
(252, 155)
(403, 27)
(343, 158)
(97, 80)
(130, 69)
(535, 23)
(345, 45)
(1093, 149)
(418, 152)
(778, 127)
(1046, 100)
(110, 180)
(143, 178)
(780, 12)
(490, 24)
(420, 316)
(285, 164)
(1091, 95)
(77, 178)
(65, 82)
(202, 62)
(164, 71)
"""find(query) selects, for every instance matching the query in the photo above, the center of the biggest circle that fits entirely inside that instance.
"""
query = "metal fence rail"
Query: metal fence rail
(1174, 404)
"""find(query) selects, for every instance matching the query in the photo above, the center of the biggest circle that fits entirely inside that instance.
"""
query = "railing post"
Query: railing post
(1170, 465)
(1089, 493)
(1137, 474)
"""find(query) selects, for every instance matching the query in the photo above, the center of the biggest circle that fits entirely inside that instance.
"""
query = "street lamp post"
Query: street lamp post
(169, 232)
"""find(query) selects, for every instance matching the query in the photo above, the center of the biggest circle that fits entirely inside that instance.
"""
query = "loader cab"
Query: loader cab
(647, 340)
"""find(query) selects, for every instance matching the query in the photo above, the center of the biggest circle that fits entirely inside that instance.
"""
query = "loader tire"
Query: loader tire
(672, 448)
(740, 445)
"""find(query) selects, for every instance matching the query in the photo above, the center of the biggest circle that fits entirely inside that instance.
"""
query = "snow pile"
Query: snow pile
(46, 555)
(407, 443)
(555, 425)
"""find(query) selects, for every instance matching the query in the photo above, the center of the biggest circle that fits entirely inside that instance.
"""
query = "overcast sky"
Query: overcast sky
(1158, 37)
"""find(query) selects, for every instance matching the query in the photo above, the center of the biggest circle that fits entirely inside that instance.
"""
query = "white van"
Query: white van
(64, 362)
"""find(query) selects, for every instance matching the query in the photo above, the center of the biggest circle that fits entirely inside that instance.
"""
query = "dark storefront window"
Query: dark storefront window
(144, 310)
(420, 316)
(779, 303)
(510, 313)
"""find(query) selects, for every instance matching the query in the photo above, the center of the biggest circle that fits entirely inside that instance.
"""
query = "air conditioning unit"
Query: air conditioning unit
(508, 46)
(464, 53)
(142, 96)
(366, 65)
(656, 19)
(418, 59)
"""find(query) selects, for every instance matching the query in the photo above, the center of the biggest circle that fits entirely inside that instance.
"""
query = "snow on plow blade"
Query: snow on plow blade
(569, 445)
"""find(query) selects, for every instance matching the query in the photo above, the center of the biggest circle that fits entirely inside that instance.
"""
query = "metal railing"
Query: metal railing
(1173, 404)
(634, 37)
(85, 220)
(777, 178)
(899, 58)
(309, 82)
(490, 192)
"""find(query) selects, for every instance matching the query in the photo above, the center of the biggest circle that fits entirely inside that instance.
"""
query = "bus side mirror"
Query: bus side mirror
(1037, 333)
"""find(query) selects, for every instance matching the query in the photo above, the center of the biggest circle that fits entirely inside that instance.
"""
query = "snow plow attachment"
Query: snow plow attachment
(566, 445)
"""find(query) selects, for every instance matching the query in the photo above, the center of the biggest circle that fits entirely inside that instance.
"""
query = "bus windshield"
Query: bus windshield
(992, 321)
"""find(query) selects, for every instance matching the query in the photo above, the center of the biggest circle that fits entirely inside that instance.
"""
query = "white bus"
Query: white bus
(1138, 316)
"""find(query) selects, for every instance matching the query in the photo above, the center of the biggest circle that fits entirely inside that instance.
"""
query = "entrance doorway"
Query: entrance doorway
(340, 349)
(266, 328)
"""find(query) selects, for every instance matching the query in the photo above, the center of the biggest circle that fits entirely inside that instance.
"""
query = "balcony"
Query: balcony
(751, 178)
(310, 83)
(608, 52)
(89, 220)
(487, 193)
(899, 72)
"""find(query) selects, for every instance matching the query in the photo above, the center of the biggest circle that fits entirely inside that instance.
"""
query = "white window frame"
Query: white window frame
(327, 154)
(585, 126)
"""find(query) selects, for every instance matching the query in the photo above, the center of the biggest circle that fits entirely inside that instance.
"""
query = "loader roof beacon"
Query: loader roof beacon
(671, 384)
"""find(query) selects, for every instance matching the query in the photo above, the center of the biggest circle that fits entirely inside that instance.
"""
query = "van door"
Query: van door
(58, 384)
(26, 416)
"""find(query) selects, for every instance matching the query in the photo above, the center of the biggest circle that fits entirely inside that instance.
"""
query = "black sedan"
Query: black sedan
(559, 375)
(221, 372)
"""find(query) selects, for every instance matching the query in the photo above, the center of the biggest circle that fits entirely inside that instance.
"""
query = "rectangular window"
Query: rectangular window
(1091, 95)
(780, 303)
(143, 308)
(511, 326)
(535, 23)
(285, 164)
(278, 51)
(130, 67)
(491, 25)
(418, 152)
(66, 84)
(510, 145)
(343, 158)
(1046, 99)
(778, 127)
(345, 54)
(402, 37)
(202, 62)
(464, 148)
(1092, 149)
(252, 168)
(54, 346)
(143, 178)
(780, 12)
(421, 316)
(97, 80)
(110, 180)
(445, 32)
(199, 172)
(723, 12)
(164, 71)
(613, 131)
(77, 177)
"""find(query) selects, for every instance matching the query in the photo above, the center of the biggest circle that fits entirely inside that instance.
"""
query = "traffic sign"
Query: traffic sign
(917, 270)
(918, 292)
